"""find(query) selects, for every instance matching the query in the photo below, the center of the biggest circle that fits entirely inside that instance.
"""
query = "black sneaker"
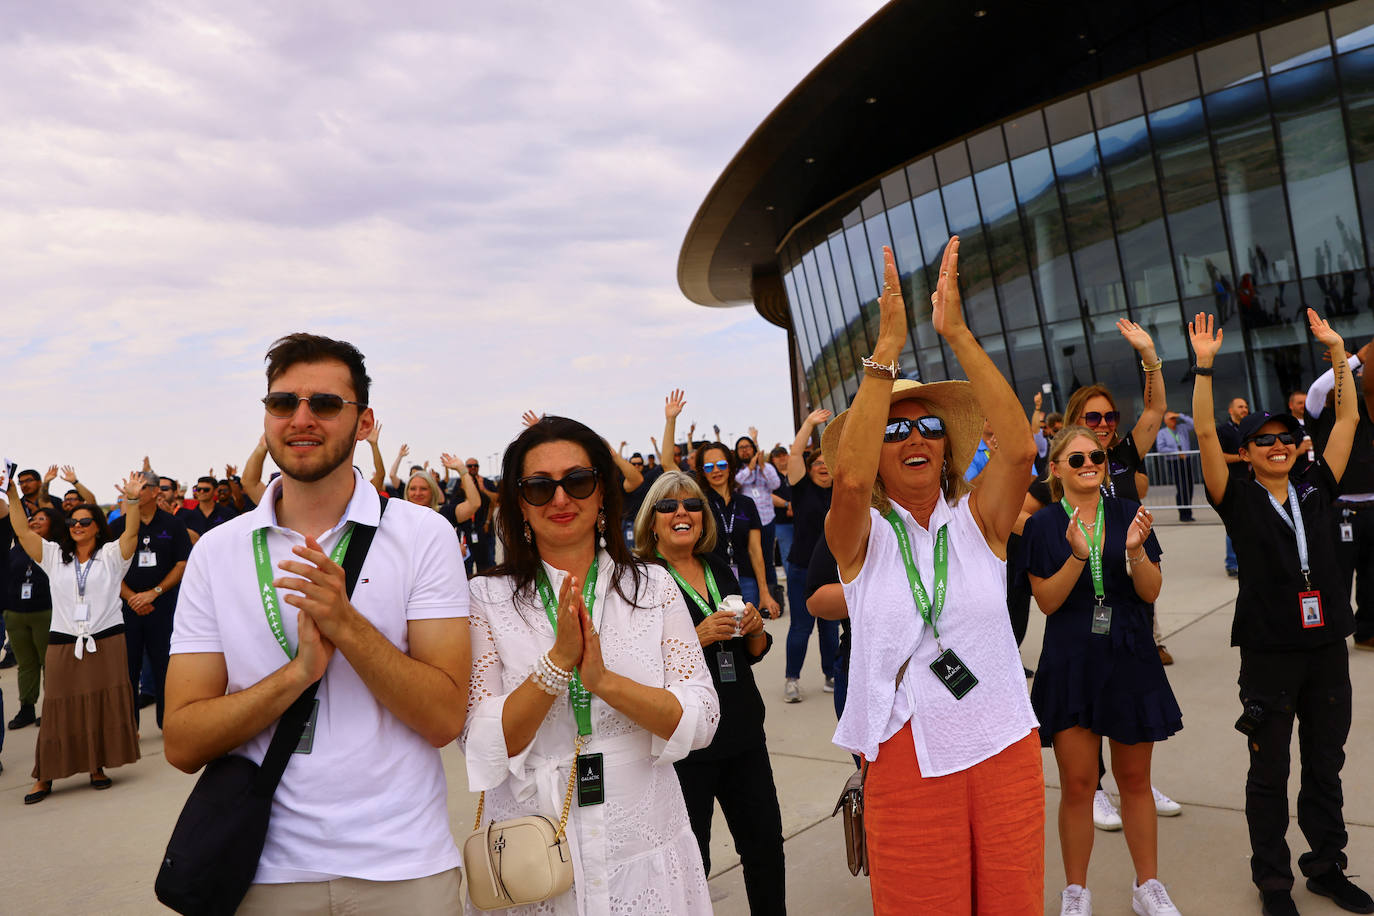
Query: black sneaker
(25, 716)
(1278, 903)
(1337, 886)
(8, 661)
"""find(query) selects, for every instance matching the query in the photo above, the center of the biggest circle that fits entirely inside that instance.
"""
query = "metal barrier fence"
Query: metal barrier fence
(1175, 482)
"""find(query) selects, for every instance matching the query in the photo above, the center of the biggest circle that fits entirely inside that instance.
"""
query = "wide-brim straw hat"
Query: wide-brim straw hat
(953, 402)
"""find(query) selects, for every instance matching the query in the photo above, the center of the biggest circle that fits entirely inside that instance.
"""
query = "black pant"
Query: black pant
(749, 801)
(1314, 685)
(1357, 559)
(1018, 588)
(1181, 469)
(150, 633)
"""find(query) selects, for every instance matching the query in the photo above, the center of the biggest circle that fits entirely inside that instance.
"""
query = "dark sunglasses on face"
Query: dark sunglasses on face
(579, 484)
(203, 489)
(1077, 459)
(668, 506)
(283, 404)
(1096, 418)
(80, 522)
(899, 429)
(1264, 440)
(472, 467)
(165, 489)
(709, 466)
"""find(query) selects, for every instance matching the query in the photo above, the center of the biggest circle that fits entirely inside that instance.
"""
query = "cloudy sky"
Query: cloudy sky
(488, 199)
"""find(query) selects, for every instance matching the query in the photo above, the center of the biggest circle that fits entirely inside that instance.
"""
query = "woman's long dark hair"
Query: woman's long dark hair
(102, 532)
(731, 460)
(522, 557)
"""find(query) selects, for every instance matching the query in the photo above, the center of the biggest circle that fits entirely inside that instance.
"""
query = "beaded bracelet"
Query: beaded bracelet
(563, 673)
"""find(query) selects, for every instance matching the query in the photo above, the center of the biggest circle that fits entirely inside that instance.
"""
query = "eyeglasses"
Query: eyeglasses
(899, 429)
(283, 404)
(1077, 459)
(1096, 418)
(579, 484)
(709, 466)
(80, 522)
(202, 489)
(668, 506)
(164, 489)
(1264, 440)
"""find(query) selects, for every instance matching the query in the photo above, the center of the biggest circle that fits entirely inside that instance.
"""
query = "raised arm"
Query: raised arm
(796, 467)
(128, 541)
(251, 481)
(1152, 414)
(672, 407)
(29, 540)
(633, 476)
(472, 500)
(396, 465)
(1342, 437)
(378, 480)
(82, 491)
(1368, 383)
(1206, 341)
(854, 467)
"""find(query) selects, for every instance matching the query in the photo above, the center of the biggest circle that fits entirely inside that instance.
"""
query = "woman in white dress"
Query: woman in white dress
(625, 628)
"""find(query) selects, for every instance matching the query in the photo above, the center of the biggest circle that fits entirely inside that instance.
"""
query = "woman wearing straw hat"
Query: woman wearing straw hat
(954, 795)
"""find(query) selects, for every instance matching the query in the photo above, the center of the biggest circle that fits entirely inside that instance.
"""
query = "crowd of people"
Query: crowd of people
(617, 629)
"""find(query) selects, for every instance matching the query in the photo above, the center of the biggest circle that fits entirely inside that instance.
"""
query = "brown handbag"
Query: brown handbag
(851, 804)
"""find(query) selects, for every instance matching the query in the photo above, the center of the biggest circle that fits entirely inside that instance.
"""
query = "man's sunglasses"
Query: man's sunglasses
(709, 466)
(1077, 459)
(899, 429)
(669, 506)
(164, 489)
(283, 404)
(636, 464)
(1264, 440)
(202, 489)
(1097, 418)
(579, 484)
(80, 522)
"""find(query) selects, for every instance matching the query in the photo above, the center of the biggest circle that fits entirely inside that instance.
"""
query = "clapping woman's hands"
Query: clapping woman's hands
(1139, 530)
(892, 327)
(1074, 535)
(568, 647)
(592, 669)
(947, 305)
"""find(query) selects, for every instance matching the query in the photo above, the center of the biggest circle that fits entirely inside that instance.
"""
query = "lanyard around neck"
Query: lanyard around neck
(692, 593)
(578, 695)
(271, 602)
(929, 610)
(1096, 538)
(83, 572)
(1295, 525)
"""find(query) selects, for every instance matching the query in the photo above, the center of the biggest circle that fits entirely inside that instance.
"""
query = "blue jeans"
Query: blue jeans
(1230, 554)
(749, 589)
(783, 533)
(799, 629)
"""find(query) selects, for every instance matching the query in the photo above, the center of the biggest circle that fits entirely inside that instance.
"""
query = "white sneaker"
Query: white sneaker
(1076, 901)
(1151, 899)
(829, 685)
(791, 691)
(1164, 805)
(1105, 815)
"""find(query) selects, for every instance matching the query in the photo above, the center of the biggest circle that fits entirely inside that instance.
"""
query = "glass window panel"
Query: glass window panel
(1025, 134)
(1353, 25)
(796, 280)
(852, 218)
(1006, 246)
(975, 276)
(986, 149)
(849, 295)
(1230, 378)
(1357, 76)
(856, 241)
(844, 318)
(1282, 356)
(1068, 118)
(1088, 217)
(1117, 366)
(921, 176)
(951, 163)
(1027, 355)
(893, 186)
(1296, 43)
(827, 327)
(1251, 191)
(1051, 272)
(1133, 190)
(930, 218)
(1169, 84)
(906, 248)
(1321, 191)
(1165, 324)
(872, 205)
(1190, 200)
(1070, 367)
(1229, 64)
(1118, 101)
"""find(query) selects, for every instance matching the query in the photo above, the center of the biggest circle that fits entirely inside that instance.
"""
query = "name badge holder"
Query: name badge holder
(1102, 613)
(25, 591)
(725, 664)
(725, 659)
(1347, 528)
(948, 667)
(82, 612)
(1310, 613)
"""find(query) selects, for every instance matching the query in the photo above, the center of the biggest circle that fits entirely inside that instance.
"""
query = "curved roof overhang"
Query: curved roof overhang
(915, 76)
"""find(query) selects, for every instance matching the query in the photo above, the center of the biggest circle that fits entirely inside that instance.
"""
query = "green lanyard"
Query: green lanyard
(930, 611)
(693, 593)
(271, 603)
(578, 695)
(1095, 540)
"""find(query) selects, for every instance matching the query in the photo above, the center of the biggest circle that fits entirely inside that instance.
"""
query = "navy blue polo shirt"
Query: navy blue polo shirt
(167, 540)
(197, 521)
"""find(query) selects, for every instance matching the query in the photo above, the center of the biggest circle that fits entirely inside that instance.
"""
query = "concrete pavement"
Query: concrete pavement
(81, 851)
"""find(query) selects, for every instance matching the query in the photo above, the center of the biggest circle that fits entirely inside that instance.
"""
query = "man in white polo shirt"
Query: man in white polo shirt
(360, 820)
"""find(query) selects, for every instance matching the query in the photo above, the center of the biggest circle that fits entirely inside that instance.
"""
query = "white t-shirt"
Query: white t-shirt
(105, 574)
(370, 800)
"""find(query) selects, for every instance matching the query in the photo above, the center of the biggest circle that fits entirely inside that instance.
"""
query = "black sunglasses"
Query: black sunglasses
(899, 429)
(579, 484)
(164, 489)
(1078, 459)
(1264, 440)
(202, 489)
(668, 506)
(80, 522)
(283, 404)
(1096, 418)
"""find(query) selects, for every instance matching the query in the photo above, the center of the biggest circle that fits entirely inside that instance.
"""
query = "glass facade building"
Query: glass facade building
(1236, 179)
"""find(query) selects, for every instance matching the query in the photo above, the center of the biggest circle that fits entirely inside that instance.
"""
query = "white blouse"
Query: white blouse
(636, 852)
(107, 571)
(950, 735)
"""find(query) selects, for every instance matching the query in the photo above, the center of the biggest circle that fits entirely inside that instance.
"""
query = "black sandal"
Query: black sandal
(34, 798)
(104, 782)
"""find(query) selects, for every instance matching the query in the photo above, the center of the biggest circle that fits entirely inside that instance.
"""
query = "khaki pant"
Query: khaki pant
(28, 632)
(436, 894)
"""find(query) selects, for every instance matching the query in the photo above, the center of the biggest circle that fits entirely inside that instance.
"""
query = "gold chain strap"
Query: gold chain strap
(567, 799)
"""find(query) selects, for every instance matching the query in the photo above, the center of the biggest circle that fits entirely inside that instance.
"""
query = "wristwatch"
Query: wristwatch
(157, 589)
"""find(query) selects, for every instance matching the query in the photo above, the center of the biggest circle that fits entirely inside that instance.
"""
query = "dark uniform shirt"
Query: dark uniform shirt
(810, 503)
(733, 524)
(162, 544)
(197, 521)
(23, 571)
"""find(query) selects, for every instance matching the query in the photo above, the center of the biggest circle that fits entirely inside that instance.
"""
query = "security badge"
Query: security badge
(1102, 620)
(953, 673)
(725, 664)
(26, 588)
(147, 557)
(591, 780)
(1310, 605)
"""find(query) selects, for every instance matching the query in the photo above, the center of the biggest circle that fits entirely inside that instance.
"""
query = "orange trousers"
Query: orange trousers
(969, 842)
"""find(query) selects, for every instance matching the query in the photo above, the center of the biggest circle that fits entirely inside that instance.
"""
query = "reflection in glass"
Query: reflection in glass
(1070, 367)
(1045, 239)
(1006, 246)
(1134, 193)
(1027, 354)
(975, 277)
(1089, 224)
(1357, 78)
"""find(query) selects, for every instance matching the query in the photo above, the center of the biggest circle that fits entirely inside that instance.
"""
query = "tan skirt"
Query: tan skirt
(88, 711)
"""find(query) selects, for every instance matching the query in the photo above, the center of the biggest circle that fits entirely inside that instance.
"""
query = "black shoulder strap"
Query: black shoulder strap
(292, 723)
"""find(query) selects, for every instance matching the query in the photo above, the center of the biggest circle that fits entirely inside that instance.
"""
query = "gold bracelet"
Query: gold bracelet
(1153, 367)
